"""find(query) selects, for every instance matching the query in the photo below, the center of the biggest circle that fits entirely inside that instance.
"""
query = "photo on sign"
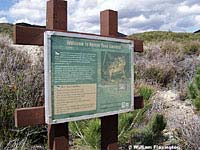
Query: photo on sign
(115, 67)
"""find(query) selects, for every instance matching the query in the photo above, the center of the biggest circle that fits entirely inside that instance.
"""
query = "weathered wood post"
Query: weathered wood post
(109, 124)
(56, 19)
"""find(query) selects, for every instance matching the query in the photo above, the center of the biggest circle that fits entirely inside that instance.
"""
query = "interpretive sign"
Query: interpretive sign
(86, 76)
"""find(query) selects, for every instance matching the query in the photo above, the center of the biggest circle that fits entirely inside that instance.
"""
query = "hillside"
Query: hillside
(6, 28)
(198, 31)
(156, 36)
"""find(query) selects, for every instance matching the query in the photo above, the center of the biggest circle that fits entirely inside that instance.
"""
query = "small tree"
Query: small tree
(194, 90)
(154, 129)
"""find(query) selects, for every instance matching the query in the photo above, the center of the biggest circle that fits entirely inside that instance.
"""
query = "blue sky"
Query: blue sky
(134, 15)
(5, 4)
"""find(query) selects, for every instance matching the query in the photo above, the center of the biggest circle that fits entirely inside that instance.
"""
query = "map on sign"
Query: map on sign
(86, 76)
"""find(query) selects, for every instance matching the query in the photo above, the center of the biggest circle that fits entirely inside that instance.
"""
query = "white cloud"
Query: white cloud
(197, 18)
(30, 11)
(194, 9)
(134, 15)
(3, 20)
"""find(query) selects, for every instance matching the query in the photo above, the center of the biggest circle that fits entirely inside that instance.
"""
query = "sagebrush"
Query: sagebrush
(21, 85)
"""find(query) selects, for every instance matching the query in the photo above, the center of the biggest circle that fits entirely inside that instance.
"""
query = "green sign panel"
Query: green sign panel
(86, 76)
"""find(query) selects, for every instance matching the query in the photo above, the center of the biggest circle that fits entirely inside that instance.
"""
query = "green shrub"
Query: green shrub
(128, 121)
(148, 137)
(151, 134)
(194, 90)
(157, 124)
(125, 121)
(154, 129)
(146, 92)
(197, 103)
(92, 133)
(197, 81)
(86, 132)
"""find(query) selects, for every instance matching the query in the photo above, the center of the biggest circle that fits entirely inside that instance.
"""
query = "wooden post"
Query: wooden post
(56, 15)
(109, 23)
(58, 137)
(57, 20)
(109, 124)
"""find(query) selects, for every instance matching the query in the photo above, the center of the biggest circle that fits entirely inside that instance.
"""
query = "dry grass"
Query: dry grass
(4, 40)
(21, 85)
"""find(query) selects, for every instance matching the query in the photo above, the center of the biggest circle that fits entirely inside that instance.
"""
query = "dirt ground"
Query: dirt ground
(183, 122)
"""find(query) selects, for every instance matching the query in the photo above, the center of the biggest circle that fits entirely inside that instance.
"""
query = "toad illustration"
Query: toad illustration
(117, 66)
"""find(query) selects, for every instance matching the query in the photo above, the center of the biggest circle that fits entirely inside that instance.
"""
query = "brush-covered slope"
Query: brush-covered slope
(6, 28)
(162, 35)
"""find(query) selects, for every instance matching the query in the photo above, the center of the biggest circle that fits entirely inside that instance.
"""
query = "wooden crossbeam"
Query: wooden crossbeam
(29, 116)
(138, 46)
(28, 35)
(34, 36)
(36, 116)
